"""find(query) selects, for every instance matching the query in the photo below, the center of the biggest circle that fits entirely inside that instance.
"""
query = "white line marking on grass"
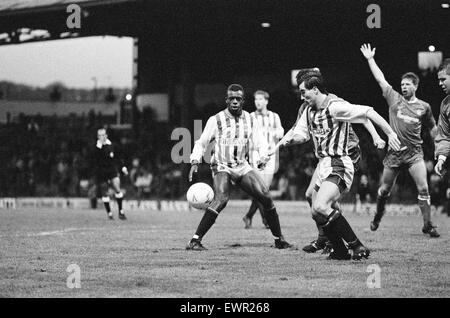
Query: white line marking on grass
(61, 232)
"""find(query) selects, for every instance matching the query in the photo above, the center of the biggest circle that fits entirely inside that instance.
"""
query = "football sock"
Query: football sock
(106, 203)
(273, 221)
(321, 237)
(381, 203)
(328, 223)
(208, 219)
(119, 198)
(252, 209)
(425, 208)
(345, 231)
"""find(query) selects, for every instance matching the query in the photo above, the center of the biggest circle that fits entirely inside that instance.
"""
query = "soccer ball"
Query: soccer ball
(200, 195)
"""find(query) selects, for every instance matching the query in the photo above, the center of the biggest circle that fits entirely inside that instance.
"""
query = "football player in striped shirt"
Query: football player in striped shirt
(327, 120)
(354, 153)
(272, 132)
(233, 132)
(407, 114)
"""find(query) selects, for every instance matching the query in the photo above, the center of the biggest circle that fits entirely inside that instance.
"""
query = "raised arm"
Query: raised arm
(369, 54)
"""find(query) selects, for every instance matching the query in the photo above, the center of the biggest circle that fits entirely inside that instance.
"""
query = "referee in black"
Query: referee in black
(105, 163)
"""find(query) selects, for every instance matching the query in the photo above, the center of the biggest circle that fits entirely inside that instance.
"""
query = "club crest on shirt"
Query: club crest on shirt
(320, 132)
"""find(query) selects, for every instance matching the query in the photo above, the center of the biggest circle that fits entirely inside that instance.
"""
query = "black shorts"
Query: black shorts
(106, 175)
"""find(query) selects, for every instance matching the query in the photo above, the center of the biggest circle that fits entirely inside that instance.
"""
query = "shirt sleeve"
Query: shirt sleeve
(344, 111)
(279, 130)
(301, 128)
(258, 142)
(201, 144)
(391, 96)
(442, 140)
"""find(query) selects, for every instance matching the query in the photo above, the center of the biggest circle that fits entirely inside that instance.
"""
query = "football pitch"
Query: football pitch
(145, 256)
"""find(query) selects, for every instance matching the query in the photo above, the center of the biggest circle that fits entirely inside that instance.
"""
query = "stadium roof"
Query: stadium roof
(26, 6)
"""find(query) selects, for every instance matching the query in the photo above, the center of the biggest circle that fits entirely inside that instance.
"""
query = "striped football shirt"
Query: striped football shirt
(330, 125)
(271, 127)
(230, 139)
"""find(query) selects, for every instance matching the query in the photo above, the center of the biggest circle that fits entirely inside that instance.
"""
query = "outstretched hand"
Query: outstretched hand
(367, 51)
(394, 143)
(379, 143)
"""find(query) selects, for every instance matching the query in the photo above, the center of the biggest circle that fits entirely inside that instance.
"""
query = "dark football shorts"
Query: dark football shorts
(407, 157)
(106, 175)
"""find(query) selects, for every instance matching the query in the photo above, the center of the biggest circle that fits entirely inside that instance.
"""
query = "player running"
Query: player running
(407, 113)
(233, 131)
(104, 162)
(327, 120)
(354, 151)
(272, 132)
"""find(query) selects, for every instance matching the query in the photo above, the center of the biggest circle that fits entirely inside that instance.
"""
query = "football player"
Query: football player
(407, 114)
(233, 131)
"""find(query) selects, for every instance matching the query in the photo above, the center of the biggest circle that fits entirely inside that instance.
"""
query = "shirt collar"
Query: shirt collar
(228, 114)
(414, 100)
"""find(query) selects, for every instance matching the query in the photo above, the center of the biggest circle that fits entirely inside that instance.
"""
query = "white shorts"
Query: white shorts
(236, 173)
(338, 170)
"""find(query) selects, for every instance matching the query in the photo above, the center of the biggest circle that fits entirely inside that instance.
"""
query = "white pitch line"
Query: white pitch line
(61, 232)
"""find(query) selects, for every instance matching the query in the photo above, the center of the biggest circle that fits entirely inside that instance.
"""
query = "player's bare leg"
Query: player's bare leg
(221, 185)
(384, 191)
(118, 194)
(253, 184)
(418, 172)
(322, 242)
(256, 205)
(334, 223)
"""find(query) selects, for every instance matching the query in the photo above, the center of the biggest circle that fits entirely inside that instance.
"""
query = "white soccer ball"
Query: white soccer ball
(200, 195)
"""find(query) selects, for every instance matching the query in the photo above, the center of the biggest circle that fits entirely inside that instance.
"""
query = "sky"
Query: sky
(73, 61)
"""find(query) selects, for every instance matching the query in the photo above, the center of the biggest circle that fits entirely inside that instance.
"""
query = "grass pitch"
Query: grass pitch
(145, 257)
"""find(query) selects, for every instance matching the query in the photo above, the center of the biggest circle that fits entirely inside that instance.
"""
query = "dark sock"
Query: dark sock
(252, 210)
(209, 217)
(381, 203)
(119, 203)
(321, 237)
(346, 232)
(107, 207)
(425, 208)
(273, 221)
